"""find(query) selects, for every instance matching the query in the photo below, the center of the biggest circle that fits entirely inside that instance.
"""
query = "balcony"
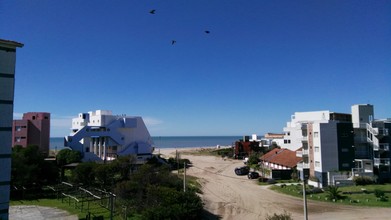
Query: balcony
(381, 161)
(382, 147)
(301, 166)
(382, 132)
(304, 139)
(302, 153)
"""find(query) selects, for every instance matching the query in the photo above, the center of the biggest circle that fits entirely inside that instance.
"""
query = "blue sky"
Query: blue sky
(261, 62)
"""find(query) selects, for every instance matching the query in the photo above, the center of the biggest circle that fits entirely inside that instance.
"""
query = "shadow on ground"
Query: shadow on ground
(206, 215)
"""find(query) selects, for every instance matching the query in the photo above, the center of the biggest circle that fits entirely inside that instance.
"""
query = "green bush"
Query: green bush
(379, 193)
(362, 180)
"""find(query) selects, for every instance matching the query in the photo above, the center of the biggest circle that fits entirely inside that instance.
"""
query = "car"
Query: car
(253, 175)
(242, 170)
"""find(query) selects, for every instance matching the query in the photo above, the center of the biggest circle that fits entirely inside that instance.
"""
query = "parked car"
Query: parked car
(253, 175)
(242, 170)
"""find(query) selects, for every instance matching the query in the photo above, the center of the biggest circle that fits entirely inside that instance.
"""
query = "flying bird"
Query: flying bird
(208, 32)
(152, 11)
(173, 42)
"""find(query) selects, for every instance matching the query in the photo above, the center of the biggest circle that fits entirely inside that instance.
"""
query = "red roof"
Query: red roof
(283, 157)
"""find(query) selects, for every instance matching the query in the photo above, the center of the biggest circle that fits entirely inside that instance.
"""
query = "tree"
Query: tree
(67, 156)
(29, 167)
(83, 174)
(254, 159)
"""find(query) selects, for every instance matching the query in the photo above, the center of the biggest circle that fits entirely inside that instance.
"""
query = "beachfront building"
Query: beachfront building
(245, 147)
(325, 140)
(32, 129)
(100, 135)
(372, 143)
(280, 163)
(7, 82)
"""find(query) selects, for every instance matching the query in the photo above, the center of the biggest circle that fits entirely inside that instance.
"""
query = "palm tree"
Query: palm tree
(333, 192)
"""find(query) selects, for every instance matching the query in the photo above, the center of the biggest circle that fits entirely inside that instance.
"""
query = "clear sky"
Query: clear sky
(261, 62)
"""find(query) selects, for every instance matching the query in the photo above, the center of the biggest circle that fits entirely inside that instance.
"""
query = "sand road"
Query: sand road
(236, 197)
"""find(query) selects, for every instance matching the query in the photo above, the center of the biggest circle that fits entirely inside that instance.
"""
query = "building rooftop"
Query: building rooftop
(282, 157)
(10, 43)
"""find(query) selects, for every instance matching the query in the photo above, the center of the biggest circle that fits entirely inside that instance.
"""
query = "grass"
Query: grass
(350, 195)
(209, 152)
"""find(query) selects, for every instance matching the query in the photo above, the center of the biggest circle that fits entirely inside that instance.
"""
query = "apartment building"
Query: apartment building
(372, 143)
(325, 140)
(100, 135)
(32, 129)
(7, 82)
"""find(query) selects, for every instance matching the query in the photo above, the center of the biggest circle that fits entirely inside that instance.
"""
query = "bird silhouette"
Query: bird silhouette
(152, 11)
(208, 32)
(173, 42)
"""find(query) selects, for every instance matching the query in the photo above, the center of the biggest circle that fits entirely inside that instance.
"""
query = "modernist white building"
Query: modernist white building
(323, 139)
(7, 82)
(100, 135)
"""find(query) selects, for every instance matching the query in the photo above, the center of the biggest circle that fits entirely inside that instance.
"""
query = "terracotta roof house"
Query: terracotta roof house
(280, 159)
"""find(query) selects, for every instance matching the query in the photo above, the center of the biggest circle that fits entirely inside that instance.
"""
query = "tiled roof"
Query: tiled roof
(283, 157)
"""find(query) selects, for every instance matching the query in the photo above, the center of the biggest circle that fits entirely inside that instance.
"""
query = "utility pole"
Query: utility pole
(305, 200)
(306, 175)
(184, 177)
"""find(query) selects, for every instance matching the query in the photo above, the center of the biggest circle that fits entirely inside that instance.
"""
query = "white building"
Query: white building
(100, 135)
(325, 139)
(7, 83)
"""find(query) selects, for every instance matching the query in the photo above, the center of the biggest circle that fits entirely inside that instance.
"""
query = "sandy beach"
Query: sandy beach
(235, 197)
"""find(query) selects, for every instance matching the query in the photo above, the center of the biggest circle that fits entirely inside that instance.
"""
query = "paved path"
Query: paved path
(23, 212)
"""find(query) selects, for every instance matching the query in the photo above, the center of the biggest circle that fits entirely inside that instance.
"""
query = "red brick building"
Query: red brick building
(32, 129)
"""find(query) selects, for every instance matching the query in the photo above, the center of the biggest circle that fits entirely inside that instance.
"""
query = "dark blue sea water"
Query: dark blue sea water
(172, 141)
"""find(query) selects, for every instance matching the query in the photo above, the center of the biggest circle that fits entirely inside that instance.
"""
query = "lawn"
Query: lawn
(350, 195)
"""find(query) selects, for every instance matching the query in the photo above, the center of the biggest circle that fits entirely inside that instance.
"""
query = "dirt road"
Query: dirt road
(236, 197)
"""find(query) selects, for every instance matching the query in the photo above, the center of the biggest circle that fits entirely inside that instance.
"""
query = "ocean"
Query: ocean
(57, 143)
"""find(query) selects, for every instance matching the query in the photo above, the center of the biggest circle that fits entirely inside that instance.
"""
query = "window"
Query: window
(316, 148)
(33, 117)
(317, 164)
(345, 165)
(316, 134)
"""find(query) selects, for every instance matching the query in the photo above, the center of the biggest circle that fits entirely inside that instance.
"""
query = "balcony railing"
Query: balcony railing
(383, 131)
(301, 166)
(304, 139)
(382, 147)
(302, 153)
(381, 161)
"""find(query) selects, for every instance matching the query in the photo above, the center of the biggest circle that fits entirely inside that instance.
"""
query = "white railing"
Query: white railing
(381, 161)
(382, 146)
(301, 166)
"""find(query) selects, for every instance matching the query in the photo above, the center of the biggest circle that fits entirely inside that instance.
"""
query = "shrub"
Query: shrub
(271, 181)
(362, 180)
(379, 193)
(283, 216)
(333, 192)
(315, 190)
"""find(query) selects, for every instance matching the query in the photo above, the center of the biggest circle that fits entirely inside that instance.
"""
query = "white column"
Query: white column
(100, 147)
(104, 148)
